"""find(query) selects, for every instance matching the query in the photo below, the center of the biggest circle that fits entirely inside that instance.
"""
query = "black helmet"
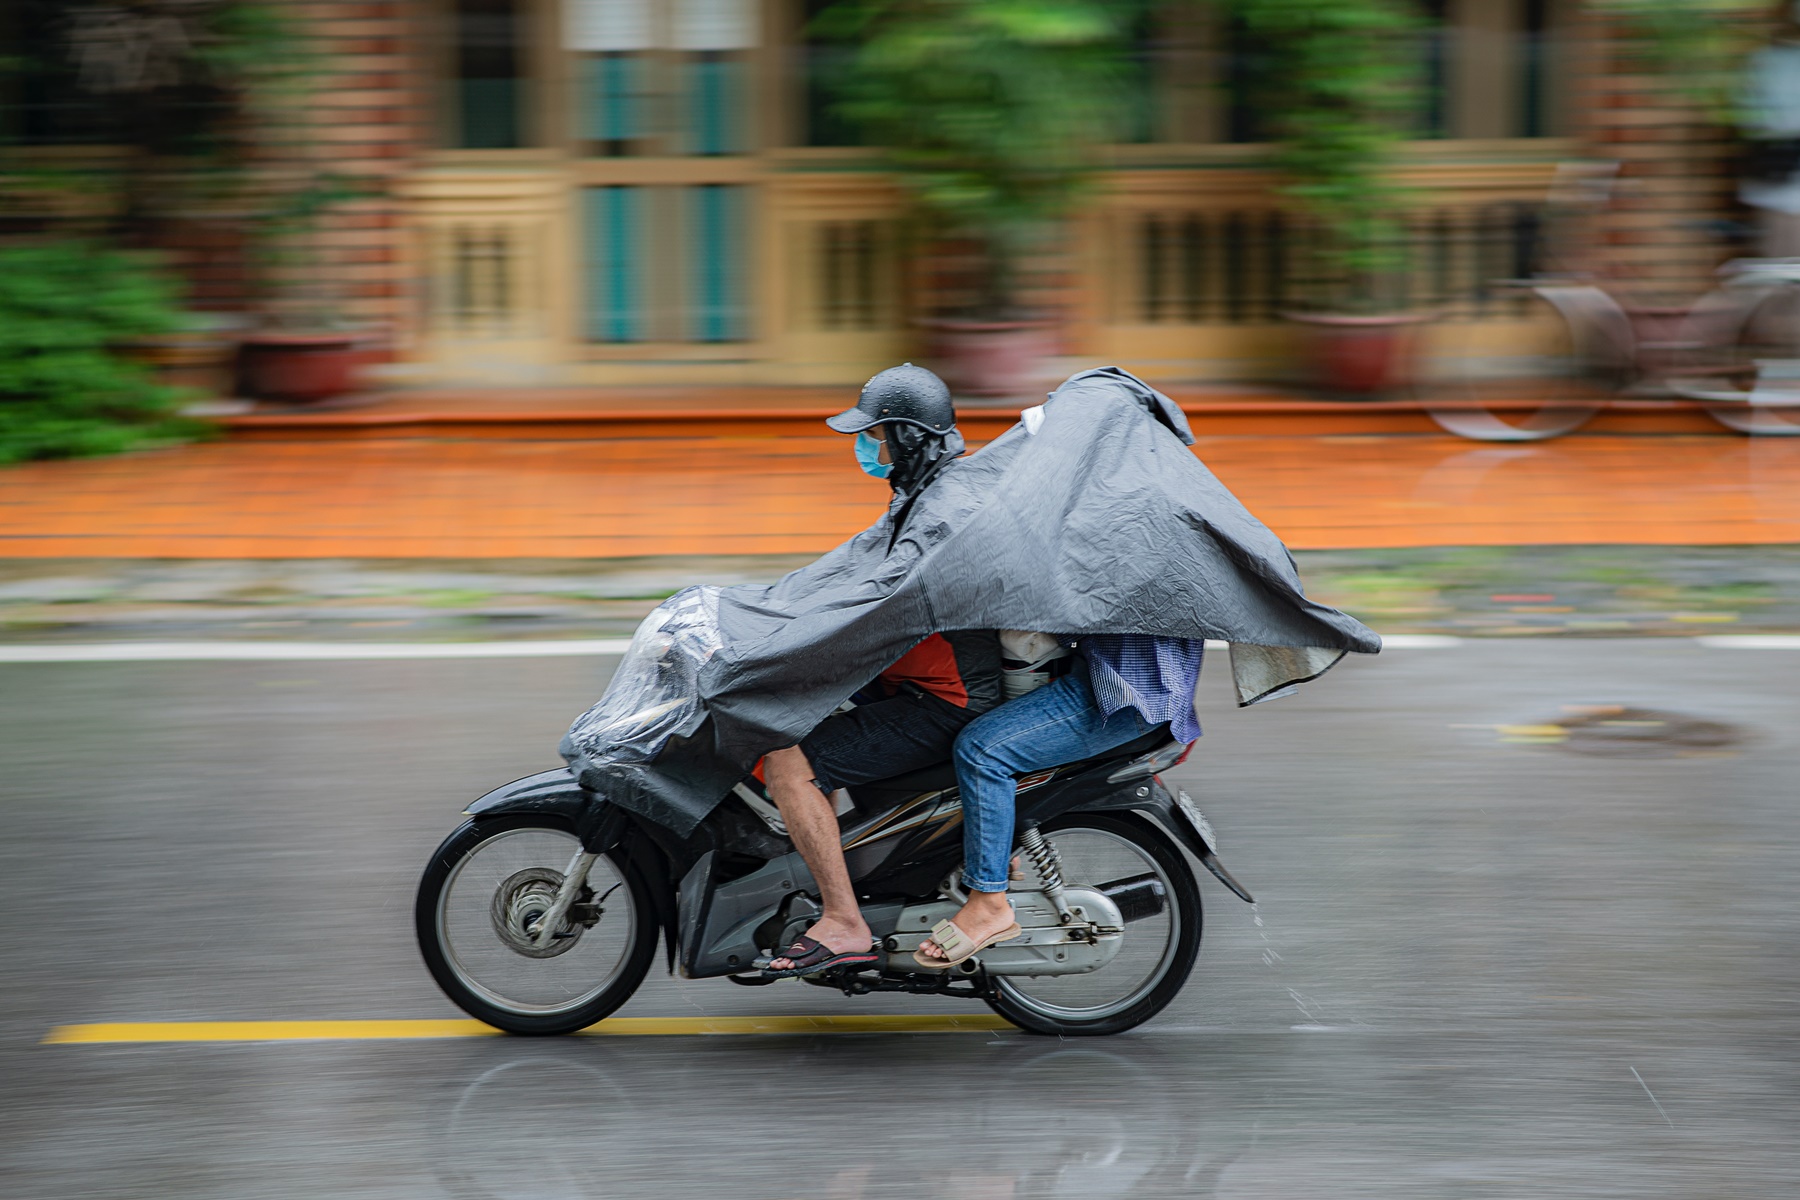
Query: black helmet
(903, 395)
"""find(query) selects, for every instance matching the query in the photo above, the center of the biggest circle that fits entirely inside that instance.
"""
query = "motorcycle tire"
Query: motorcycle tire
(1012, 1001)
(634, 962)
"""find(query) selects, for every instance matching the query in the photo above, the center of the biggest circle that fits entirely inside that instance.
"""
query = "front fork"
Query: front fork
(598, 829)
(574, 879)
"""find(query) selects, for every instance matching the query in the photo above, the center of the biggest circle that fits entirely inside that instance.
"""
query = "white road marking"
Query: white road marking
(1419, 641)
(1751, 641)
(349, 651)
(309, 651)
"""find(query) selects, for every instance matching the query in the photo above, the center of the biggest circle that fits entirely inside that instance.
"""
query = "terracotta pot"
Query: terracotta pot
(1360, 357)
(300, 368)
(989, 358)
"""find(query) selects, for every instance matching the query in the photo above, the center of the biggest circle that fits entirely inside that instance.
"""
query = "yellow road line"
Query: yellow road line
(303, 1031)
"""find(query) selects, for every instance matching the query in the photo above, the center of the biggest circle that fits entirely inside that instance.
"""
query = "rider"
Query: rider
(905, 427)
(1122, 686)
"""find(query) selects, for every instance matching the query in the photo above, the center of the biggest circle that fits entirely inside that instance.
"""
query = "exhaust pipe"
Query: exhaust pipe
(1138, 896)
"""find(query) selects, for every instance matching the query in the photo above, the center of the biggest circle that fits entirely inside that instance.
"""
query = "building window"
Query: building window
(824, 64)
(662, 80)
(665, 263)
(488, 47)
(1250, 65)
(1485, 69)
(1535, 53)
(41, 99)
(854, 275)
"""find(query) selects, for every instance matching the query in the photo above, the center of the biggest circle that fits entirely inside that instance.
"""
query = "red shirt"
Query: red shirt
(962, 667)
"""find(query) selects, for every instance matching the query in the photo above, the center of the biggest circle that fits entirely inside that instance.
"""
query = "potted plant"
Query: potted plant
(1340, 94)
(204, 104)
(989, 112)
(302, 352)
(176, 90)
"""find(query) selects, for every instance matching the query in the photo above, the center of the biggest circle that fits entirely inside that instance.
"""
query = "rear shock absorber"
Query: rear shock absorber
(1048, 864)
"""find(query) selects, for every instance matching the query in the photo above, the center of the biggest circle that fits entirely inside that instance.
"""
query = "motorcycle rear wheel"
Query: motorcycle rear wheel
(488, 873)
(1095, 848)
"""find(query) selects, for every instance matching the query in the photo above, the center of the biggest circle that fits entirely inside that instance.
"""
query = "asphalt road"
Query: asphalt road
(1491, 963)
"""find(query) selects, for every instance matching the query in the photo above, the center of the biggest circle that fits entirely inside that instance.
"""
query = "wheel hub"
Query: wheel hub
(518, 909)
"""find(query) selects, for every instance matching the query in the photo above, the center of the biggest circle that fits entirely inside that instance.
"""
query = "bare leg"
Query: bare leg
(814, 827)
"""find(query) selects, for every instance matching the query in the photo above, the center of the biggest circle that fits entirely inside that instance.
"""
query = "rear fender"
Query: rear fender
(1152, 799)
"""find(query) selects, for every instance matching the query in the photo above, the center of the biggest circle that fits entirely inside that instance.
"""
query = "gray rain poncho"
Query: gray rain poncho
(1096, 518)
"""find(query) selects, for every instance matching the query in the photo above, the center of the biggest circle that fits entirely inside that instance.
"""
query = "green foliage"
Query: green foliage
(178, 80)
(1698, 45)
(990, 111)
(1342, 91)
(65, 309)
(197, 97)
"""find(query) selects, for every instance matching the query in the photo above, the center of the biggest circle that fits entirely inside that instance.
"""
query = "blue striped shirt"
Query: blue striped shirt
(1155, 675)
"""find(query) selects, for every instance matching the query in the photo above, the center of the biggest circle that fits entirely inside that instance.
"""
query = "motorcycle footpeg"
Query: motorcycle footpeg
(754, 980)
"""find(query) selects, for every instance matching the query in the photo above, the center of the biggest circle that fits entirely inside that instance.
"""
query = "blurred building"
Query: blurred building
(656, 191)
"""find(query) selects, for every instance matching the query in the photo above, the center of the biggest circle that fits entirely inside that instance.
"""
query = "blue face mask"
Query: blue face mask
(868, 456)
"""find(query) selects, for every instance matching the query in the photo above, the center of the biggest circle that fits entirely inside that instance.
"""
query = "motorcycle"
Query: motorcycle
(541, 913)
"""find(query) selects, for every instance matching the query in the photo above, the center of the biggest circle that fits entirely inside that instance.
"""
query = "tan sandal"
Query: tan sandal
(959, 946)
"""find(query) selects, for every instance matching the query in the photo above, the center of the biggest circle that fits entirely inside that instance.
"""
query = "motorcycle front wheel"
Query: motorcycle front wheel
(1159, 950)
(479, 903)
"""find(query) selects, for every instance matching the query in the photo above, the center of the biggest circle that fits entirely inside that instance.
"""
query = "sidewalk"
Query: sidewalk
(516, 498)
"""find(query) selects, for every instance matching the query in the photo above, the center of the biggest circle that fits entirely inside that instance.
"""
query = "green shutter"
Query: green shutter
(716, 267)
(607, 98)
(716, 103)
(614, 304)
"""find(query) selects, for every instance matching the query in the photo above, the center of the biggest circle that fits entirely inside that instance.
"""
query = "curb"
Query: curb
(1249, 414)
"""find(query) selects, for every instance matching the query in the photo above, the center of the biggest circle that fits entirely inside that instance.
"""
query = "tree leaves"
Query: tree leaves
(65, 310)
(990, 111)
(1344, 89)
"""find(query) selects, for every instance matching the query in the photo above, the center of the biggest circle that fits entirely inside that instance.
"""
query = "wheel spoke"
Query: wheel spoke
(1095, 857)
(488, 910)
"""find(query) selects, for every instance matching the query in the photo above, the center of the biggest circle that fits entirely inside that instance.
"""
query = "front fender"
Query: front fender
(554, 791)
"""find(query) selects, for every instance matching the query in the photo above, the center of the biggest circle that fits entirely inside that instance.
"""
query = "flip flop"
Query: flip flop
(959, 946)
(810, 956)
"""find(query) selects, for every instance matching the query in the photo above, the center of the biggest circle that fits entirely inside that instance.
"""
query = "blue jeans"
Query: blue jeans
(1059, 723)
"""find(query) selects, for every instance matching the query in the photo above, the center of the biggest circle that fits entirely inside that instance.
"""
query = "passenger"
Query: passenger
(906, 430)
(1120, 688)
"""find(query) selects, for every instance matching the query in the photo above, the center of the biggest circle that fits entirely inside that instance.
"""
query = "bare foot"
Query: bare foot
(985, 914)
(839, 936)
